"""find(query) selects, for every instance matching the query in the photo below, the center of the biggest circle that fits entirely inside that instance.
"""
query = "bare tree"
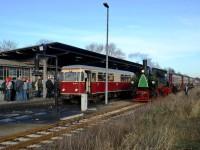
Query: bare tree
(94, 47)
(43, 41)
(112, 50)
(7, 45)
(115, 52)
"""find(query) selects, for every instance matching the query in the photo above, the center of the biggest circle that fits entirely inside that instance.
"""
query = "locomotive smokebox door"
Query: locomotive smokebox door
(88, 81)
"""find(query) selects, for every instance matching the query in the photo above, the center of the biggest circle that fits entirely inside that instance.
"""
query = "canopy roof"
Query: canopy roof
(69, 55)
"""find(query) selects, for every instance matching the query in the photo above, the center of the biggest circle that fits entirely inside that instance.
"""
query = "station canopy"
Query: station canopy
(68, 55)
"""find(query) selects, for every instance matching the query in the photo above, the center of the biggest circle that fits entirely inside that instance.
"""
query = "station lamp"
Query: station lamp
(106, 85)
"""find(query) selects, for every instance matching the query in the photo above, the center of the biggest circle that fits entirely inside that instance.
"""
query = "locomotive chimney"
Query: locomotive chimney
(145, 66)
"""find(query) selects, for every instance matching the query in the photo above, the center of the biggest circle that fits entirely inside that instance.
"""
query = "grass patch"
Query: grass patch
(171, 123)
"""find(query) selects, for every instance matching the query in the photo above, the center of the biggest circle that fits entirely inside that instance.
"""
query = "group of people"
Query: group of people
(49, 86)
(16, 89)
(22, 89)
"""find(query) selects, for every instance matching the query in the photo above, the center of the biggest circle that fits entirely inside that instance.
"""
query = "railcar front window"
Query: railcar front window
(71, 76)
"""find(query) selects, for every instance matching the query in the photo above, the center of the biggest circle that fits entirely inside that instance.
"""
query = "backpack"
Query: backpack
(3, 86)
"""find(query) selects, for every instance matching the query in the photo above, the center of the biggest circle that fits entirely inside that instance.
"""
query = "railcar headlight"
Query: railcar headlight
(63, 90)
(76, 90)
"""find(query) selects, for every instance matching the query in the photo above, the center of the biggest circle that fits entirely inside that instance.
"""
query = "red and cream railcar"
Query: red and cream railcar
(81, 79)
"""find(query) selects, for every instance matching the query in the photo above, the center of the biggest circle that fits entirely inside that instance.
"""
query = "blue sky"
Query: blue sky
(167, 30)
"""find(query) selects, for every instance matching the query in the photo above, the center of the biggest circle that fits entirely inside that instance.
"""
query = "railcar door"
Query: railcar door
(93, 83)
(88, 81)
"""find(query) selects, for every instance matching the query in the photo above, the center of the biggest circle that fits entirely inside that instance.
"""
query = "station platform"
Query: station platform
(33, 102)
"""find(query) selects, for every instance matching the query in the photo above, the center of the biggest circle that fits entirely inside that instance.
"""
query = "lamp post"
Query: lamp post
(106, 85)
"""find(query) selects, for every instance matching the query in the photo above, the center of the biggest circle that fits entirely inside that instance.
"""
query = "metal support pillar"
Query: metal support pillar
(44, 61)
(56, 85)
(44, 58)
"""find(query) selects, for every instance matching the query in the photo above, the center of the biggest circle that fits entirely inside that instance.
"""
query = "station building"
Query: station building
(14, 69)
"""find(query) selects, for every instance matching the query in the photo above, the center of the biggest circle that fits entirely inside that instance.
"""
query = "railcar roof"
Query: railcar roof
(97, 69)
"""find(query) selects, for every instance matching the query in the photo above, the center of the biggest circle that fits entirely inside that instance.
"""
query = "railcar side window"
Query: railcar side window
(111, 77)
(82, 76)
(104, 76)
(128, 78)
(93, 77)
(78, 76)
(100, 76)
(122, 78)
(125, 78)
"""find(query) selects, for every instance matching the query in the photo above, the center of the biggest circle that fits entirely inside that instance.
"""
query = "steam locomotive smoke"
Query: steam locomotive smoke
(140, 56)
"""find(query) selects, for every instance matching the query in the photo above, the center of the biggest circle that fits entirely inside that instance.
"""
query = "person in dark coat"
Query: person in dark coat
(3, 89)
(39, 86)
(186, 89)
(50, 88)
(19, 89)
(13, 91)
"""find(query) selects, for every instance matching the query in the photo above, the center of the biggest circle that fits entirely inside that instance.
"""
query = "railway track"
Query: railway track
(36, 137)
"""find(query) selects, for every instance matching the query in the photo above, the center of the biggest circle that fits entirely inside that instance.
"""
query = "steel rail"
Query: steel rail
(46, 127)
(65, 127)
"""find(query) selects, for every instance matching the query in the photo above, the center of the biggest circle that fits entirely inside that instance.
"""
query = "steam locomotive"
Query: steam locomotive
(159, 82)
